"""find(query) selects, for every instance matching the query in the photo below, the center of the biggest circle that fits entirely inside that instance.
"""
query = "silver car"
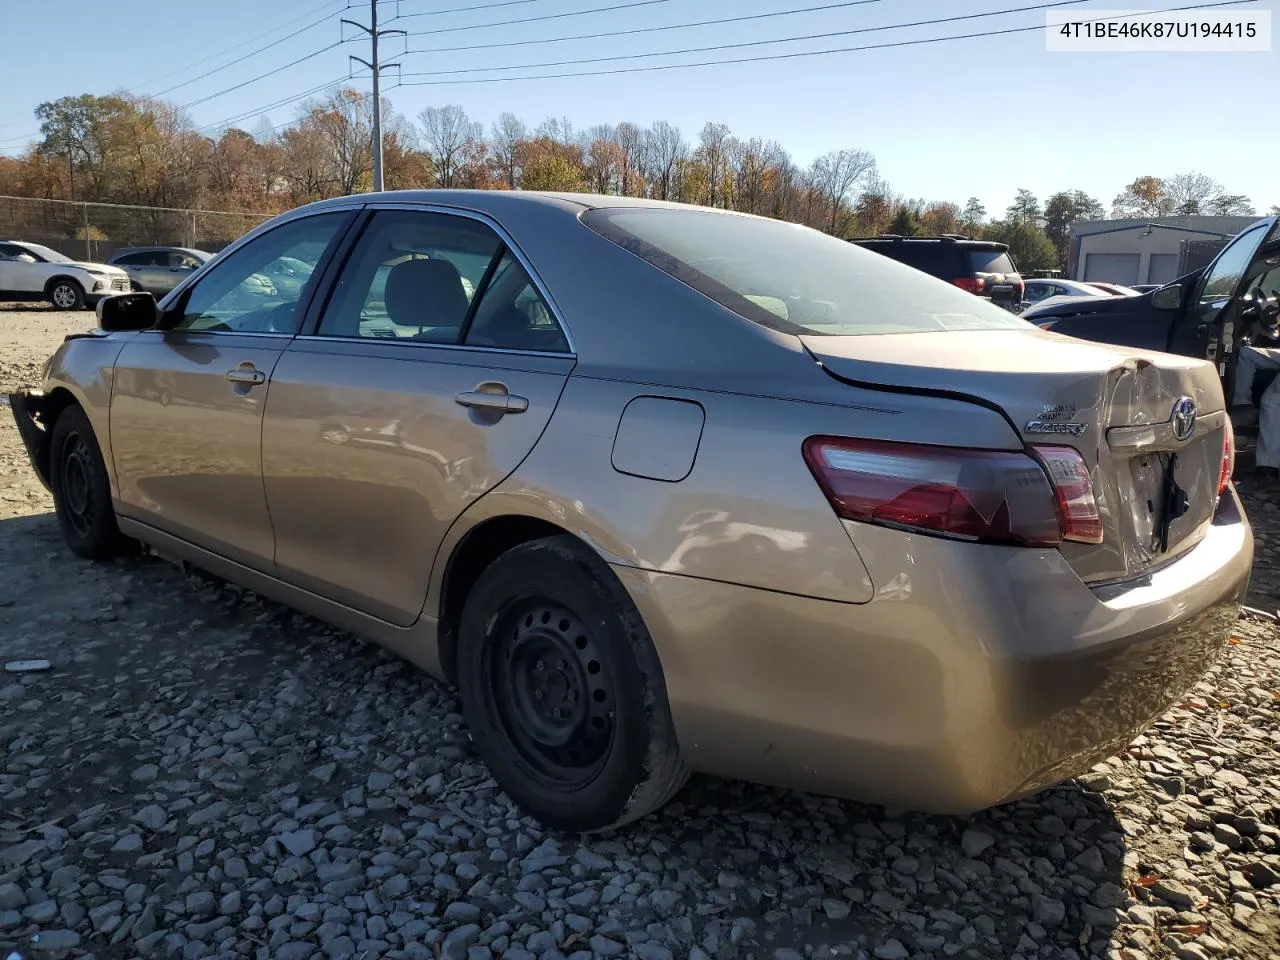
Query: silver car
(664, 488)
(157, 270)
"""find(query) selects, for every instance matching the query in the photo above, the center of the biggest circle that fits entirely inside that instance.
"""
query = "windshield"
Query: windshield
(44, 253)
(794, 279)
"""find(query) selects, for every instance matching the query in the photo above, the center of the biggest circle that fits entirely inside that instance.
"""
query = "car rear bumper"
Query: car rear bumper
(976, 675)
(27, 405)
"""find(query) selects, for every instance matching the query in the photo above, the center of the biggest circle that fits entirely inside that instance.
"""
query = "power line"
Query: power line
(252, 53)
(806, 53)
(659, 29)
(256, 37)
(478, 6)
(523, 20)
(259, 111)
(752, 43)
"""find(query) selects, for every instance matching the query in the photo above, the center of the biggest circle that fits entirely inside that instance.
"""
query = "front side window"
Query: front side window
(794, 279)
(239, 296)
(1223, 277)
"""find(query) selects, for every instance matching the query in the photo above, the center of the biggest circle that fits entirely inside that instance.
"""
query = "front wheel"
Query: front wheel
(81, 489)
(66, 295)
(562, 689)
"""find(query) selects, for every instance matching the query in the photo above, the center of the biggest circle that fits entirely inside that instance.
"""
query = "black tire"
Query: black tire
(66, 295)
(81, 490)
(550, 616)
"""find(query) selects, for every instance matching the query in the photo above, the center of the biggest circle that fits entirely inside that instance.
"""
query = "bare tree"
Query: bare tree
(665, 150)
(1191, 193)
(711, 151)
(508, 132)
(451, 137)
(628, 138)
(836, 176)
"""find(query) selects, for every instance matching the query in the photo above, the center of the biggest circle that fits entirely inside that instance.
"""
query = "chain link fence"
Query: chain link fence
(94, 231)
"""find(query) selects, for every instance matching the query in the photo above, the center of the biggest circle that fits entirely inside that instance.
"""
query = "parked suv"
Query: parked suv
(982, 267)
(30, 271)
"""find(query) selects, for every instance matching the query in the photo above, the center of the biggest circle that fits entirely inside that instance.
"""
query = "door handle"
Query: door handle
(248, 375)
(495, 401)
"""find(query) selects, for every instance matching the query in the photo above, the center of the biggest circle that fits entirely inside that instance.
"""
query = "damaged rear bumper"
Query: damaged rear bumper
(29, 406)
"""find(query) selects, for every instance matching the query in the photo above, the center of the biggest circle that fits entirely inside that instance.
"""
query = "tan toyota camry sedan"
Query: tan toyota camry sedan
(663, 488)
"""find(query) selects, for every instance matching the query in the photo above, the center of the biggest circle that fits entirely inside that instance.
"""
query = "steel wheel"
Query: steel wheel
(550, 692)
(77, 485)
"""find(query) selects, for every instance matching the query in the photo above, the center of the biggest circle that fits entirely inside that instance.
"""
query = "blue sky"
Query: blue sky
(944, 120)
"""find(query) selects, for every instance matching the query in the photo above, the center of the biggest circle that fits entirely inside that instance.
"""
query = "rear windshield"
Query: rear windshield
(794, 279)
(991, 261)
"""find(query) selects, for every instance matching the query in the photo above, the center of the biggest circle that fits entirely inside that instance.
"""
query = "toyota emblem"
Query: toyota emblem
(1184, 418)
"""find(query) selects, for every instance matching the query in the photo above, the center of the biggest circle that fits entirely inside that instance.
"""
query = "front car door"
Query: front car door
(16, 275)
(435, 367)
(1212, 303)
(187, 400)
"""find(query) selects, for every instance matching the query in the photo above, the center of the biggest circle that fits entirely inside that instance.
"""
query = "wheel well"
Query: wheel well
(479, 548)
(49, 284)
(55, 402)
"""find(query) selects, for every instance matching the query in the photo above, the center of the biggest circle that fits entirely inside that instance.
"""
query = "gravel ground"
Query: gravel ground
(204, 773)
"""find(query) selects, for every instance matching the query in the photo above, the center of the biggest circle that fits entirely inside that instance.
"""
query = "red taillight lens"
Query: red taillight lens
(1046, 325)
(972, 284)
(1228, 458)
(1077, 506)
(988, 495)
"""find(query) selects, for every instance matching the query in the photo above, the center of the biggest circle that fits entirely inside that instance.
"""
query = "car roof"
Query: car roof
(160, 247)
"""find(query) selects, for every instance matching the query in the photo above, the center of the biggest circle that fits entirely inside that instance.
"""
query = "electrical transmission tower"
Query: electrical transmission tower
(375, 67)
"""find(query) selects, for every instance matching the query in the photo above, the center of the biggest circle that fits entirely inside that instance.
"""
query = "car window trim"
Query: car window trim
(310, 329)
(306, 301)
(481, 289)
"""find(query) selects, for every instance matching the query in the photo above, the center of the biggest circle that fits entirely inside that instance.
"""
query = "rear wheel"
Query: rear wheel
(81, 490)
(562, 689)
(66, 295)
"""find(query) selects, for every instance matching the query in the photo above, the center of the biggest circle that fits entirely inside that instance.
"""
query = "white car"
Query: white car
(30, 271)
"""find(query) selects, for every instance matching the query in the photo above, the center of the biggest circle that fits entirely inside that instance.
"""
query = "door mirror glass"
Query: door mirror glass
(127, 311)
(1167, 298)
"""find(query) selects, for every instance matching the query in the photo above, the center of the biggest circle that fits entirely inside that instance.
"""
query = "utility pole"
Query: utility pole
(375, 67)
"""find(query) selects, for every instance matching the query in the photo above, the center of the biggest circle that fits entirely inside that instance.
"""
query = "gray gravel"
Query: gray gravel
(204, 773)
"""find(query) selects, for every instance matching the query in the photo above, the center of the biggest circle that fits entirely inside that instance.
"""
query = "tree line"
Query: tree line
(129, 149)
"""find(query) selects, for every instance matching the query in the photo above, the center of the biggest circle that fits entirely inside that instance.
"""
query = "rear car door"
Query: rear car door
(437, 362)
(187, 400)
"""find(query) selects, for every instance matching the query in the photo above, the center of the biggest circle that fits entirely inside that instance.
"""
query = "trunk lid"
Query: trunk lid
(1115, 405)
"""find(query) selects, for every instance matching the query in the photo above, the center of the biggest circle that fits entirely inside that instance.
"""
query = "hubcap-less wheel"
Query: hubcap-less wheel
(64, 296)
(550, 691)
(77, 488)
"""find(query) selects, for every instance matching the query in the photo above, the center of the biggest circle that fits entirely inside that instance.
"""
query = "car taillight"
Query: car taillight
(1228, 458)
(972, 284)
(1047, 324)
(984, 495)
(1077, 506)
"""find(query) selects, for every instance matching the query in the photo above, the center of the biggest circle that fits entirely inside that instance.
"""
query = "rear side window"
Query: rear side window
(794, 279)
(991, 261)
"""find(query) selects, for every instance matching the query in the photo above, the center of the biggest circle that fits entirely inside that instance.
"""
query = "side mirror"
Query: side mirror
(1167, 298)
(127, 311)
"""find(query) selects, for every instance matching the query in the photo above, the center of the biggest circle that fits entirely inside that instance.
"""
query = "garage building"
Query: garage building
(1154, 250)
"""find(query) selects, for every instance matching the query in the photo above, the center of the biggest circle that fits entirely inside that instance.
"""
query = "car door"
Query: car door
(135, 264)
(1197, 331)
(179, 265)
(435, 367)
(187, 400)
(19, 270)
